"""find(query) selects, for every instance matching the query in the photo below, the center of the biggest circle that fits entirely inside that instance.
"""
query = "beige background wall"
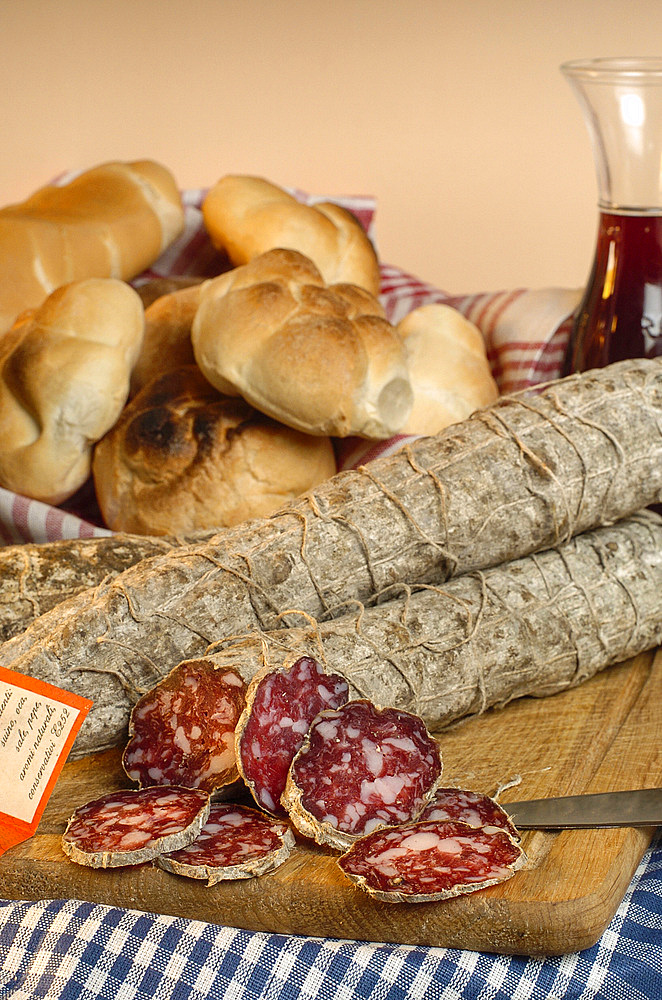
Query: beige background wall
(453, 114)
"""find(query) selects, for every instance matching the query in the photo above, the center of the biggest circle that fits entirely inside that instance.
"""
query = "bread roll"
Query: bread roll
(155, 288)
(448, 367)
(64, 378)
(167, 341)
(246, 216)
(322, 359)
(183, 457)
(112, 221)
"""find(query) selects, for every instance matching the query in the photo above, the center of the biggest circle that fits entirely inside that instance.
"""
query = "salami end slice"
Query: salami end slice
(430, 861)
(474, 808)
(235, 842)
(281, 703)
(132, 826)
(361, 768)
(182, 731)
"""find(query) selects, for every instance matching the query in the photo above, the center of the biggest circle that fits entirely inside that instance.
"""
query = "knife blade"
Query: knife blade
(636, 807)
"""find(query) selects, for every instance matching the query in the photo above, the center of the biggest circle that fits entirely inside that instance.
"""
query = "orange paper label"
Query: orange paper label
(38, 725)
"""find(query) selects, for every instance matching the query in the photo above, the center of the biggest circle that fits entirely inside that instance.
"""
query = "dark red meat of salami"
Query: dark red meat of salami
(131, 826)
(235, 842)
(280, 706)
(182, 731)
(423, 862)
(469, 807)
(361, 768)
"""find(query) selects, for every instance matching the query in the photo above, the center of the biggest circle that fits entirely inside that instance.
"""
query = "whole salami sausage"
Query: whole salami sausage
(182, 731)
(281, 703)
(131, 826)
(429, 861)
(361, 768)
(235, 842)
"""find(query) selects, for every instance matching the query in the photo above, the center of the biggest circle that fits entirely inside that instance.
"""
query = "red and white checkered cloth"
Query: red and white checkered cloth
(526, 333)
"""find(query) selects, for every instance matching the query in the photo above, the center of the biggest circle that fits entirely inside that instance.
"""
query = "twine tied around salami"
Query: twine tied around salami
(522, 476)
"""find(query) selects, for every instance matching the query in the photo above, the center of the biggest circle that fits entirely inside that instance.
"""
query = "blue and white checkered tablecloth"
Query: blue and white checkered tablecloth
(70, 950)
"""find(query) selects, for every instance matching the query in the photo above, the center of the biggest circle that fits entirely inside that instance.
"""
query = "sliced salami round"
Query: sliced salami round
(235, 842)
(429, 861)
(474, 808)
(182, 731)
(133, 825)
(280, 706)
(361, 768)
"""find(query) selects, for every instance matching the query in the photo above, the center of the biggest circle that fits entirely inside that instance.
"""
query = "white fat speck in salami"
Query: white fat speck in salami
(280, 706)
(182, 732)
(474, 808)
(361, 768)
(235, 842)
(428, 861)
(131, 826)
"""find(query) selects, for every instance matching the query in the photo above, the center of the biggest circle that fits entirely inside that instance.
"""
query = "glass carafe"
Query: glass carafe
(620, 315)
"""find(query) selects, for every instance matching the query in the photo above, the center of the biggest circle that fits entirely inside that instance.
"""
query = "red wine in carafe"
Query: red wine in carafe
(620, 315)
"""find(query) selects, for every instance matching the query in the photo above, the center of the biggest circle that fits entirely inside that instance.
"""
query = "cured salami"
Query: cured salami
(235, 842)
(131, 826)
(280, 706)
(479, 811)
(182, 731)
(520, 477)
(361, 768)
(427, 861)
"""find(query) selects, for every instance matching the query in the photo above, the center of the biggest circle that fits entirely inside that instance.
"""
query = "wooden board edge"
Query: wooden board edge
(494, 923)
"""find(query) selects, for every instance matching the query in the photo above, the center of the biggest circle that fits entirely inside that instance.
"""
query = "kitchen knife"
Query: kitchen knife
(638, 807)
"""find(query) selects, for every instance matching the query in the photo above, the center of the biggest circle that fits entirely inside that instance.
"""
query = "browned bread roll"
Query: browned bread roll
(112, 221)
(184, 457)
(320, 358)
(64, 379)
(155, 288)
(448, 367)
(246, 216)
(167, 341)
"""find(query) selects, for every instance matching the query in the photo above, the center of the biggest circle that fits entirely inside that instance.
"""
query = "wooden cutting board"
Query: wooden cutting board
(602, 736)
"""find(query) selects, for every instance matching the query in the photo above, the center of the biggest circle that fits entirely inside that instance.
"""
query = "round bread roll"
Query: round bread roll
(448, 367)
(183, 457)
(64, 379)
(246, 216)
(167, 341)
(322, 359)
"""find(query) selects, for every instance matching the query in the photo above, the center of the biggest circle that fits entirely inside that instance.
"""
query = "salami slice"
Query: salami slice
(280, 706)
(235, 842)
(131, 826)
(477, 810)
(182, 731)
(361, 768)
(427, 861)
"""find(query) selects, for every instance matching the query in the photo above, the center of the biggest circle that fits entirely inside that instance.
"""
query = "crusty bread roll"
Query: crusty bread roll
(448, 367)
(320, 358)
(246, 216)
(184, 457)
(167, 341)
(155, 288)
(112, 221)
(64, 378)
